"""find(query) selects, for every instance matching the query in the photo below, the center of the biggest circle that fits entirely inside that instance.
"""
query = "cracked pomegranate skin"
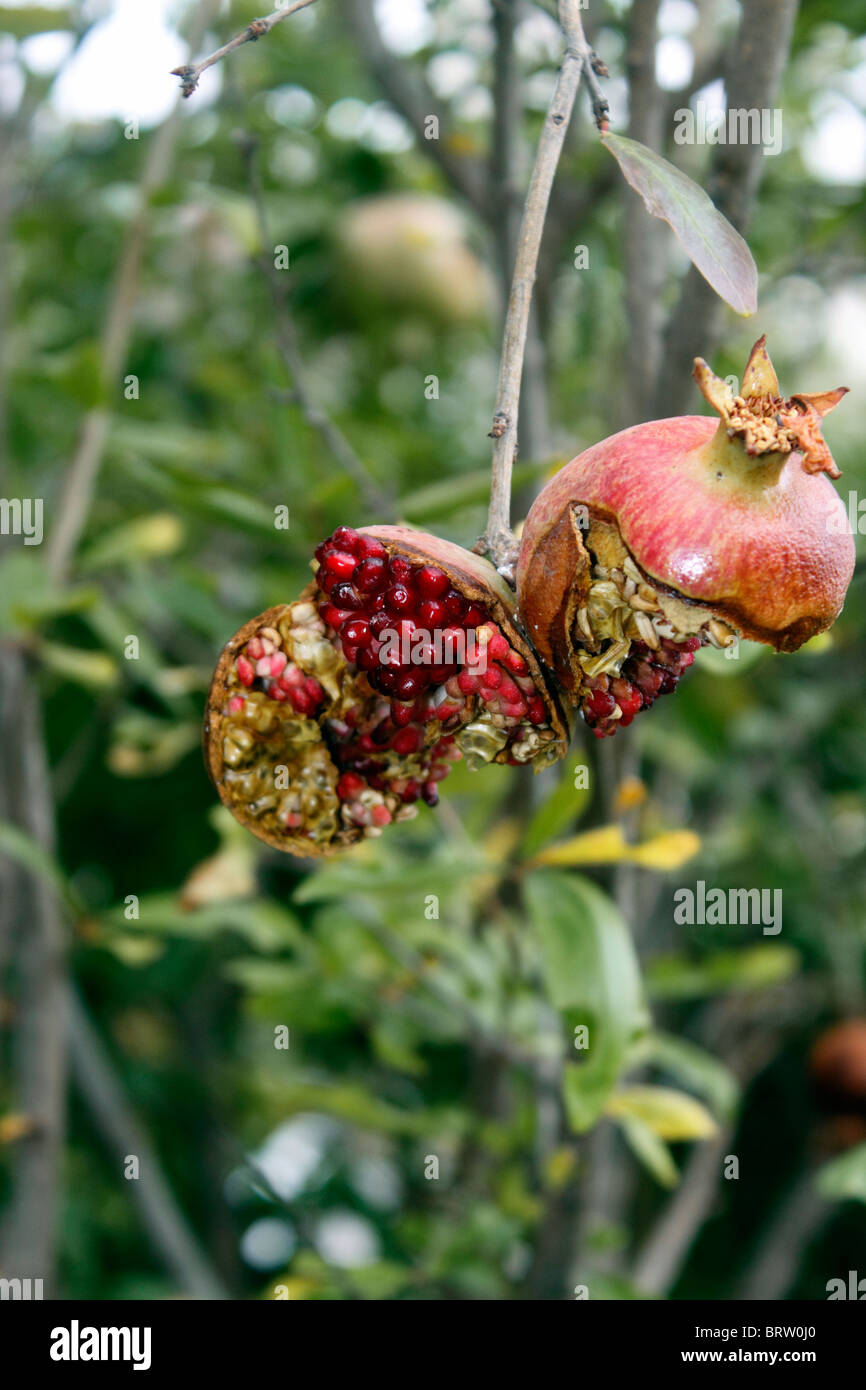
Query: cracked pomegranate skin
(332, 716)
(735, 514)
(767, 546)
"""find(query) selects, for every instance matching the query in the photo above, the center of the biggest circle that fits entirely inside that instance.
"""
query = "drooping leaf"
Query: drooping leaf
(754, 967)
(668, 1113)
(696, 1069)
(652, 1151)
(592, 974)
(608, 845)
(712, 244)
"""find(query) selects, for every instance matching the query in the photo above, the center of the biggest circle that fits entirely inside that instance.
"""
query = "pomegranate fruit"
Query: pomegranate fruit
(684, 531)
(332, 716)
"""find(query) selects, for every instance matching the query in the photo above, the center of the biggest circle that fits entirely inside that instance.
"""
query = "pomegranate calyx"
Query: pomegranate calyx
(766, 422)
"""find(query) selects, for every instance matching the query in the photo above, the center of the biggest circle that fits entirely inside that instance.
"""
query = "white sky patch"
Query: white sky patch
(675, 62)
(123, 67)
(346, 1240)
(834, 150)
(43, 53)
(406, 25)
(677, 17)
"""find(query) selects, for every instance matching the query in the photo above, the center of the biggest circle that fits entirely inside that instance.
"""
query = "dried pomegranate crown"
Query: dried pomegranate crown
(685, 531)
(330, 717)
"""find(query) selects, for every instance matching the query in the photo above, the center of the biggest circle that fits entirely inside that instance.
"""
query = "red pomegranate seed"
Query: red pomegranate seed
(406, 741)
(401, 714)
(508, 691)
(491, 679)
(368, 548)
(409, 685)
(357, 632)
(411, 792)
(431, 614)
(536, 711)
(346, 538)
(368, 657)
(255, 649)
(343, 595)
(400, 599)
(380, 622)
(349, 786)
(514, 710)
(246, 672)
(335, 617)
(455, 605)
(474, 616)
(601, 703)
(497, 647)
(278, 693)
(400, 569)
(446, 710)
(452, 641)
(431, 582)
(278, 663)
(515, 663)
(468, 684)
(430, 793)
(313, 689)
(380, 815)
(340, 563)
(301, 700)
(370, 574)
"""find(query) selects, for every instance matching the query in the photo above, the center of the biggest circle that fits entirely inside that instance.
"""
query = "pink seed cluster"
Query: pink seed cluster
(262, 665)
(645, 675)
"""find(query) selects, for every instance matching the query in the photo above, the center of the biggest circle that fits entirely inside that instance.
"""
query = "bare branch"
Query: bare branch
(578, 59)
(753, 74)
(292, 357)
(190, 73)
(163, 1220)
(416, 102)
(75, 499)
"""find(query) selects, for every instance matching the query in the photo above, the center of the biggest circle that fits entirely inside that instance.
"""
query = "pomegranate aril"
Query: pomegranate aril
(536, 711)
(497, 647)
(409, 685)
(245, 670)
(370, 574)
(399, 569)
(343, 595)
(380, 815)
(380, 622)
(430, 793)
(346, 538)
(349, 786)
(455, 605)
(410, 792)
(335, 617)
(468, 684)
(406, 741)
(600, 703)
(474, 616)
(368, 548)
(368, 657)
(339, 563)
(399, 599)
(402, 714)
(357, 632)
(431, 613)
(516, 664)
(431, 582)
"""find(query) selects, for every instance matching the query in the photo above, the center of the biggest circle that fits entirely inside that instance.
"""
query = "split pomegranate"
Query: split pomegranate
(332, 716)
(684, 531)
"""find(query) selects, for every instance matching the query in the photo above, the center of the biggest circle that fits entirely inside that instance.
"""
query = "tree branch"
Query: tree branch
(578, 59)
(190, 73)
(753, 74)
(162, 1218)
(290, 351)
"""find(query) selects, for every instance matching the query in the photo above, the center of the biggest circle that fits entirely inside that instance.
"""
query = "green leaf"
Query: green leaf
(561, 808)
(592, 972)
(697, 1070)
(652, 1151)
(445, 497)
(670, 1114)
(844, 1177)
(712, 244)
(755, 967)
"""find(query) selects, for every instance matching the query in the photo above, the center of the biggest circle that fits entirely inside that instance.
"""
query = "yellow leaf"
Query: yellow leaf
(14, 1127)
(630, 793)
(668, 1113)
(608, 845)
(668, 851)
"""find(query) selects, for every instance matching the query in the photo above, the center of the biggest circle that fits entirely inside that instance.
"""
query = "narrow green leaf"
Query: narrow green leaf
(844, 1177)
(650, 1150)
(560, 809)
(712, 244)
(592, 973)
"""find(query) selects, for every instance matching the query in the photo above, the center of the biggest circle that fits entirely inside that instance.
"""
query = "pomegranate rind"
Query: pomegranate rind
(763, 543)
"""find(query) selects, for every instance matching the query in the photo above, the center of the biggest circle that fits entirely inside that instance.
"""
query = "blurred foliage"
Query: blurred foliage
(433, 983)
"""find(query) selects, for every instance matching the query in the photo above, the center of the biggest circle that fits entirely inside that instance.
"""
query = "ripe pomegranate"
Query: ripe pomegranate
(684, 531)
(332, 716)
